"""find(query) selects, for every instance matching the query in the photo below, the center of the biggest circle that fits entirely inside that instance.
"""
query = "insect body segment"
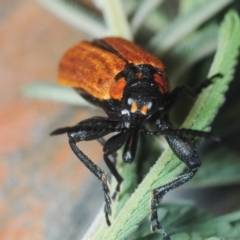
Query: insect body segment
(97, 67)
(130, 86)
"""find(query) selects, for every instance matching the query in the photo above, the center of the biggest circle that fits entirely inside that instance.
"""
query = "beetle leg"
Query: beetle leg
(130, 148)
(174, 96)
(98, 172)
(165, 130)
(160, 191)
(194, 92)
(90, 129)
(191, 132)
(187, 153)
(206, 83)
(102, 141)
(110, 147)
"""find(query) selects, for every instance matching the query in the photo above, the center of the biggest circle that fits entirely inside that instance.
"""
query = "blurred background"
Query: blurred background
(41, 182)
(45, 193)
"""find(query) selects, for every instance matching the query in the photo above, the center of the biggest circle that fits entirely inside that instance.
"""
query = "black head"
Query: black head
(141, 100)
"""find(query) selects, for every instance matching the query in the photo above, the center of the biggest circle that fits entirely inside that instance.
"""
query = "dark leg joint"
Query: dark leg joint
(207, 82)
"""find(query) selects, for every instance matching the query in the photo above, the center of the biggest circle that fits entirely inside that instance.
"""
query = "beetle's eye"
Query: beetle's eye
(129, 101)
(149, 105)
(152, 107)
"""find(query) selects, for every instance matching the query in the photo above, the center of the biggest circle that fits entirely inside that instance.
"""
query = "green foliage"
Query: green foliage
(191, 223)
(184, 24)
(228, 167)
(54, 92)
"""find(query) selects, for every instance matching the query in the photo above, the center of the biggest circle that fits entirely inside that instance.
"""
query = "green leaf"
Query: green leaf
(197, 46)
(214, 238)
(116, 18)
(157, 20)
(186, 222)
(54, 92)
(143, 10)
(186, 5)
(221, 167)
(185, 24)
(77, 15)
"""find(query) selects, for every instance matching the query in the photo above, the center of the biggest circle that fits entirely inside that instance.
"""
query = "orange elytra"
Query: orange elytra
(92, 67)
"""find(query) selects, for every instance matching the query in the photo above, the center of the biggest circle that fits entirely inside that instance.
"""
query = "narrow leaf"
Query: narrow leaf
(220, 167)
(199, 45)
(184, 24)
(116, 19)
(143, 10)
(54, 92)
(77, 16)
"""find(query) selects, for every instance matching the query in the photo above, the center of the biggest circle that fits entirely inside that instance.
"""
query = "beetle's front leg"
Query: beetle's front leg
(98, 172)
(111, 146)
(90, 129)
(174, 96)
(186, 151)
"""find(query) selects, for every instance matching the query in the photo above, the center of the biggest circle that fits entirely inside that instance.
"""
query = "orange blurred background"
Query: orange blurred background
(43, 187)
